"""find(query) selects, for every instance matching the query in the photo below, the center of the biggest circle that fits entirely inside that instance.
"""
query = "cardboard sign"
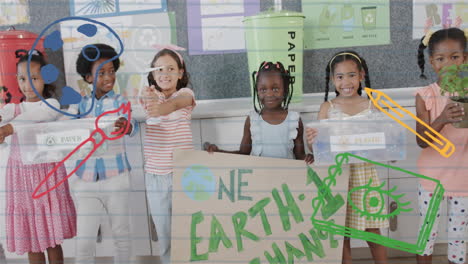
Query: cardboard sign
(244, 209)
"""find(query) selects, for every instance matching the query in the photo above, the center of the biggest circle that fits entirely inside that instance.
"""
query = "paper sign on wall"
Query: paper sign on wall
(440, 13)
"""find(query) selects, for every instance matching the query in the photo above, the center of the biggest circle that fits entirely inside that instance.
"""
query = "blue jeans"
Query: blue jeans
(159, 195)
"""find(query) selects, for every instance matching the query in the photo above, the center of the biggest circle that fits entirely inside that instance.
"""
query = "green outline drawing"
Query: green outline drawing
(333, 204)
(374, 201)
(327, 226)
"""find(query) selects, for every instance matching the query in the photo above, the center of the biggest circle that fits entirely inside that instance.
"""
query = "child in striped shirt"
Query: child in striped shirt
(169, 100)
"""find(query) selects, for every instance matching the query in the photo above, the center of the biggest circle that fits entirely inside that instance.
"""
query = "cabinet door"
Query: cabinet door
(406, 225)
(138, 229)
(226, 133)
(412, 152)
(134, 147)
(196, 133)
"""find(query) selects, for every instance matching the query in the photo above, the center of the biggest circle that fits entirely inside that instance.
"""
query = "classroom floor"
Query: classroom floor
(155, 260)
(408, 260)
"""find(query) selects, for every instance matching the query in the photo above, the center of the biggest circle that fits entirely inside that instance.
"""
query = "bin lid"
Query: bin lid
(17, 34)
(273, 14)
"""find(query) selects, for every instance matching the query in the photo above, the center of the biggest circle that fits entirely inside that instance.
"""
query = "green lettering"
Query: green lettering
(239, 220)
(293, 252)
(333, 242)
(309, 247)
(255, 261)
(285, 209)
(323, 235)
(222, 187)
(259, 207)
(194, 240)
(218, 235)
(279, 257)
(241, 183)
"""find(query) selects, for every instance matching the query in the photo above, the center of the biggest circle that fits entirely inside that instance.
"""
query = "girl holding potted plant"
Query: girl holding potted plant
(446, 48)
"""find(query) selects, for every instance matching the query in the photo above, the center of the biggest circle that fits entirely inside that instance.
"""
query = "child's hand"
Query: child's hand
(120, 125)
(311, 134)
(5, 131)
(147, 95)
(452, 113)
(210, 147)
(309, 159)
(153, 109)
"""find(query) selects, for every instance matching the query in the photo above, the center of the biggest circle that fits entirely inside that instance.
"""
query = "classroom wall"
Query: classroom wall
(42, 13)
(226, 76)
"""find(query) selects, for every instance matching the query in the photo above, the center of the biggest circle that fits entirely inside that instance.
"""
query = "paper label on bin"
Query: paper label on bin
(61, 140)
(366, 141)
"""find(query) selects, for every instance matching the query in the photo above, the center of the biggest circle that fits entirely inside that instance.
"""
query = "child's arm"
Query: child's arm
(5, 131)
(246, 143)
(156, 109)
(299, 151)
(311, 133)
(39, 112)
(452, 113)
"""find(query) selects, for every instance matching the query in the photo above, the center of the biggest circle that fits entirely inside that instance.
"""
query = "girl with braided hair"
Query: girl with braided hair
(445, 47)
(346, 70)
(271, 130)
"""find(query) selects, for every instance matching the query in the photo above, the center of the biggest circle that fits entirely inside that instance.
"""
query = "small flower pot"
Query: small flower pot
(463, 102)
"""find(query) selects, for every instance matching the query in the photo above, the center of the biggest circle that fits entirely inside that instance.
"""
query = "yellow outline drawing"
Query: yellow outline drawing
(444, 146)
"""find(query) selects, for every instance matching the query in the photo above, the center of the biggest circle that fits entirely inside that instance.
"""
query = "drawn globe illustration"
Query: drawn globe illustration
(198, 183)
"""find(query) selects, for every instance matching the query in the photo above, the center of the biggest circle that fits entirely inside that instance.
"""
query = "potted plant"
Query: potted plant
(454, 82)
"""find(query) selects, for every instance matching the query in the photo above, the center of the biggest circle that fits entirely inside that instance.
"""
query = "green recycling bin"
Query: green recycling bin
(277, 36)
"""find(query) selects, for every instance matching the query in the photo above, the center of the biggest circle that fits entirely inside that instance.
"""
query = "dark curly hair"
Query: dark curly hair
(102, 51)
(181, 83)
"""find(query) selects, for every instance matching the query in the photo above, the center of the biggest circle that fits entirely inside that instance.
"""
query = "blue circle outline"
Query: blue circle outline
(97, 70)
(95, 48)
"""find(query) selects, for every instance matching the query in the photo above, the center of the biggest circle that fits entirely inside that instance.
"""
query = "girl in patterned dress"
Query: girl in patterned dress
(34, 226)
(445, 47)
(346, 70)
(271, 131)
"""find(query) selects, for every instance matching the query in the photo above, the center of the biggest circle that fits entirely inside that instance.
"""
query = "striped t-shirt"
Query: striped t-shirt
(173, 132)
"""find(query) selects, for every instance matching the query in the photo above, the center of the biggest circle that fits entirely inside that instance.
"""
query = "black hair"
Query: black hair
(101, 51)
(439, 36)
(344, 56)
(181, 83)
(287, 83)
(8, 95)
(37, 57)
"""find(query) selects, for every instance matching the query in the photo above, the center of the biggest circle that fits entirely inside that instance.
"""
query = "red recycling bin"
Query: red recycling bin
(10, 41)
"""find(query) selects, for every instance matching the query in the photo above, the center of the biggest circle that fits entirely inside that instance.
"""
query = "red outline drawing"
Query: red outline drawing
(126, 109)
